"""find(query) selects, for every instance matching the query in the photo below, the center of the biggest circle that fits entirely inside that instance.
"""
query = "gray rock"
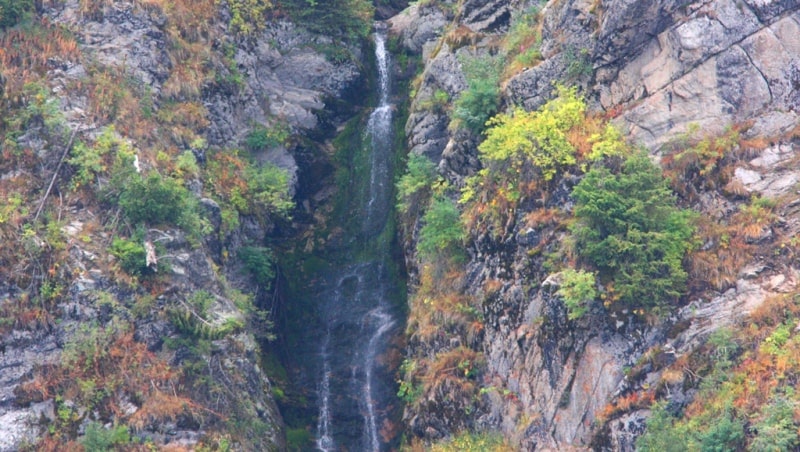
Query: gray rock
(533, 87)
(428, 134)
(770, 9)
(626, 429)
(747, 177)
(418, 26)
(485, 15)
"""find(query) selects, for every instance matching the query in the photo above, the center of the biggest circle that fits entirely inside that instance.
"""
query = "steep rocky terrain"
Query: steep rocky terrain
(669, 76)
(135, 293)
(169, 168)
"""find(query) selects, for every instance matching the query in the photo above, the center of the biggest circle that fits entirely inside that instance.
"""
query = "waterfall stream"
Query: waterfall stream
(354, 387)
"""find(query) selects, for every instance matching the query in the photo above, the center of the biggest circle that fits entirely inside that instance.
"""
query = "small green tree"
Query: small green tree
(479, 101)
(101, 439)
(629, 228)
(577, 289)
(414, 187)
(442, 233)
(260, 262)
(12, 11)
(268, 187)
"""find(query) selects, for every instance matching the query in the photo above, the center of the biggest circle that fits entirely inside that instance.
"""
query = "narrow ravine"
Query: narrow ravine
(357, 293)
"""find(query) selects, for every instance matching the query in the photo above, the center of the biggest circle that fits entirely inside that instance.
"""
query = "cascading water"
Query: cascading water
(379, 134)
(355, 392)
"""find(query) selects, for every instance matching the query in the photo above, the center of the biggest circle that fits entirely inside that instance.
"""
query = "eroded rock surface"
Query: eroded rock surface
(661, 68)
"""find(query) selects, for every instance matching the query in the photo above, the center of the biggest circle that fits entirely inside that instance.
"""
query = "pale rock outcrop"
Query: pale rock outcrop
(721, 65)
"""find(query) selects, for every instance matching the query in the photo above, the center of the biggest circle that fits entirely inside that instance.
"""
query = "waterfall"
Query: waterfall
(379, 134)
(325, 440)
(355, 390)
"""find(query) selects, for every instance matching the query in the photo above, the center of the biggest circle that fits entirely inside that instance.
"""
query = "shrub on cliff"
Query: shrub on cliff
(154, 200)
(349, 19)
(523, 149)
(534, 138)
(414, 187)
(479, 101)
(442, 233)
(629, 228)
(12, 11)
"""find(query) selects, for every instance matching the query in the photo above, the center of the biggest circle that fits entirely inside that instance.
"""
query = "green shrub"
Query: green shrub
(438, 102)
(247, 188)
(186, 166)
(13, 11)
(538, 138)
(726, 433)
(131, 256)
(200, 302)
(629, 228)
(161, 200)
(521, 150)
(247, 16)
(262, 137)
(347, 19)
(472, 442)
(523, 42)
(442, 234)
(298, 439)
(610, 143)
(577, 289)
(268, 187)
(579, 63)
(662, 435)
(260, 263)
(91, 161)
(101, 439)
(414, 187)
(154, 200)
(777, 430)
(479, 101)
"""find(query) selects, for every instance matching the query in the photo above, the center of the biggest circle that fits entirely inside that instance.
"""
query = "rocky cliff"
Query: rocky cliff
(150, 150)
(669, 76)
(155, 155)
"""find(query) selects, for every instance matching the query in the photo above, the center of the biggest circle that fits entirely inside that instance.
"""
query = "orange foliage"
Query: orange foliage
(626, 403)
(111, 369)
(227, 174)
(580, 136)
(25, 55)
(543, 217)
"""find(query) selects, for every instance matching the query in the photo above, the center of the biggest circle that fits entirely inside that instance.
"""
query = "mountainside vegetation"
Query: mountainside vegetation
(620, 249)
(597, 216)
(126, 231)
